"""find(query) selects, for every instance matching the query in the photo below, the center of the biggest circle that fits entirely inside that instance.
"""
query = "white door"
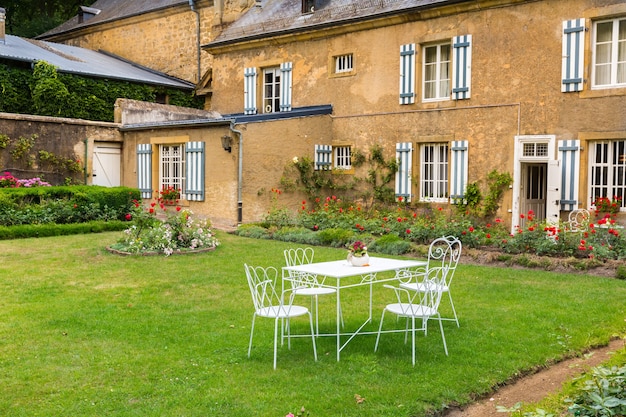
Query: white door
(534, 187)
(553, 205)
(107, 160)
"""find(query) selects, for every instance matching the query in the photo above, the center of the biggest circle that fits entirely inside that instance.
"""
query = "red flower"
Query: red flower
(178, 208)
(408, 231)
(471, 228)
(151, 210)
(129, 217)
(399, 219)
(488, 236)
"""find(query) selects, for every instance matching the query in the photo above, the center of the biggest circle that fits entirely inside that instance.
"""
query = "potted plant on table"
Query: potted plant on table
(357, 254)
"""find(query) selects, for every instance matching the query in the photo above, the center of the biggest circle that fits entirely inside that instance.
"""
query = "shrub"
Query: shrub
(602, 395)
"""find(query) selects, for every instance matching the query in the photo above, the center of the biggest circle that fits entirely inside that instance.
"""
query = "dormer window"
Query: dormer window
(86, 13)
(308, 6)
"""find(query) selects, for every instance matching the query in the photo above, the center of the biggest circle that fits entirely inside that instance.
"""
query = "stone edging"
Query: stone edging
(176, 252)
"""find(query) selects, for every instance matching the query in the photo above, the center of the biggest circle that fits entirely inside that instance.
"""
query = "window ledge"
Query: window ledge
(603, 92)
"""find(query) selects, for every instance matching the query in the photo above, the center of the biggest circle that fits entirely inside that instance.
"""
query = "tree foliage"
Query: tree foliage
(29, 18)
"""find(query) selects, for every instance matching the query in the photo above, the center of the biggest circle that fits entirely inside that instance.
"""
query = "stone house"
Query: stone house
(453, 89)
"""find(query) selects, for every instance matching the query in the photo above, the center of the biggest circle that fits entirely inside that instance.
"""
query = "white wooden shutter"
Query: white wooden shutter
(569, 158)
(323, 157)
(458, 170)
(573, 55)
(194, 171)
(407, 74)
(285, 86)
(249, 91)
(404, 155)
(144, 170)
(461, 67)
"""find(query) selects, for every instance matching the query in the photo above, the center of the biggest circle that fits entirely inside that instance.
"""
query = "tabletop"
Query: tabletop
(342, 268)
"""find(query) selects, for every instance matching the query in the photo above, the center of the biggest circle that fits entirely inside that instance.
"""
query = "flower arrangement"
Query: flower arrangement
(358, 249)
(607, 205)
(177, 233)
(9, 181)
(169, 195)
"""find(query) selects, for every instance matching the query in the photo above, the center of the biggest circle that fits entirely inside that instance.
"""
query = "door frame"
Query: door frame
(519, 159)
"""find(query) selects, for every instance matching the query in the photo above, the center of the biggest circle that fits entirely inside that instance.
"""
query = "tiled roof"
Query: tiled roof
(275, 17)
(81, 61)
(111, 10)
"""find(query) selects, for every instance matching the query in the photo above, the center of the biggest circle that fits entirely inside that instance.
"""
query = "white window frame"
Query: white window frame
(271, 89)
(172, 166)
(616, 64)
(344, 63)
(438, 77)
(607, 169)
(342, 157)
(434, 172)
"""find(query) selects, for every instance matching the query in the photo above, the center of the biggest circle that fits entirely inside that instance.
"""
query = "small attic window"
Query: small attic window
(85, 13)
(308, 6)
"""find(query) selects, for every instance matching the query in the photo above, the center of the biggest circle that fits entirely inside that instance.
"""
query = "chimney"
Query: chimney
(2, 26)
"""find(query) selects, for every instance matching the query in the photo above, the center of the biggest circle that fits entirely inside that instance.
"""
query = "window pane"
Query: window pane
(604, 31)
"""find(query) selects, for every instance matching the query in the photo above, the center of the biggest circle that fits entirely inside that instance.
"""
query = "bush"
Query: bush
(602, 395)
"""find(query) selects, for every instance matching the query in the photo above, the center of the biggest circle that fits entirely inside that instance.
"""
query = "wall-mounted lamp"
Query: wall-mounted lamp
(227, 143)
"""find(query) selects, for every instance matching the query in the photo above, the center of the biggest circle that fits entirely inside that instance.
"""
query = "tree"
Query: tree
(29, 18)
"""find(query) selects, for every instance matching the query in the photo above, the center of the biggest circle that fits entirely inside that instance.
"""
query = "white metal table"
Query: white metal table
(338, 273)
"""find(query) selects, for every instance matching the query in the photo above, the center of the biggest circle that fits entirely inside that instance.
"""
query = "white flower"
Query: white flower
(295, 159)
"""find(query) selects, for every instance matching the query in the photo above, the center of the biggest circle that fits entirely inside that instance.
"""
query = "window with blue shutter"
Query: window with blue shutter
(458, 170)
(194, 171)
(569, 158)
(323, 157)
(404, 156)
(285, 86)
(573, 55)
(144, 170)
(249, 91)
(462, 67)
(407, 74)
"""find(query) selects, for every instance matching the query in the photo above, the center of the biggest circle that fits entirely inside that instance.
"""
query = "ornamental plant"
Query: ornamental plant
(358, 249)
(158, 228)
(169, 195)
(605, 205)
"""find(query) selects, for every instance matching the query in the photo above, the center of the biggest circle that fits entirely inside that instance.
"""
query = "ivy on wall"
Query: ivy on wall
(45, 92)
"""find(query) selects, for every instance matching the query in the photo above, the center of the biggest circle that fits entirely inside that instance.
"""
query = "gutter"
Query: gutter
(239, 174)
(198, 49)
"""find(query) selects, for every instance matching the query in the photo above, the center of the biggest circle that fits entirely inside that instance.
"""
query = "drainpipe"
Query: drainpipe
(239, 174)
(193, 9)
(85, 160)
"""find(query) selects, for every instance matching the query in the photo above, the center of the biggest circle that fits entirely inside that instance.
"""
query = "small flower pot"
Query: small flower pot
(360, 260)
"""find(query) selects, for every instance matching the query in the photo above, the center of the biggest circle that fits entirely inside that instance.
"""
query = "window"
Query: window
(434, 172)
(343, 63)
(308, 6)
(271, 90)
(343, 157)
(171, 167)
(436, 72)
(609, 53)
(534, 150)
(181, 166)
(607, 169)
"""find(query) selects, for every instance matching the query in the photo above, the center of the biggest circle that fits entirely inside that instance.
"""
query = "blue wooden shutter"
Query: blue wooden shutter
(569, 158)
(573, 55)
(462, 67)
(285, 86)
(407, 74)
(144, 170)
(194, 171)
(458, 170)
(249, 91)
(404, 156)
(323, 157)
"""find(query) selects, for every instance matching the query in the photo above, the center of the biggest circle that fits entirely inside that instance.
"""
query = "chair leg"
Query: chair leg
(317, 324)
(275, 337)
(313, 337)
(251, 334)
(413, 339)
(443, 337)
(382, 317)
(453, 310)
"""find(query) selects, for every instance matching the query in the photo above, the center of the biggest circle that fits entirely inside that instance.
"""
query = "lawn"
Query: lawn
(87, 333)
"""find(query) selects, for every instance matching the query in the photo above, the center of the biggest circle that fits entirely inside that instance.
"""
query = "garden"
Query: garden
(84, 331)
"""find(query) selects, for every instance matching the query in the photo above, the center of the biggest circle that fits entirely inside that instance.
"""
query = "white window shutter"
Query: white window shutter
(458, 170)
(249, 91)
(404, 156)
(285, 86)
(194, 171)
(323, 157)
(569, 158)
(407, 74)
(144, 170)
(462, 67)
(573, 55)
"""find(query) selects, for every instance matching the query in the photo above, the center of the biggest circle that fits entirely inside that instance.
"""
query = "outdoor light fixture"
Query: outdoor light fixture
(227, 143)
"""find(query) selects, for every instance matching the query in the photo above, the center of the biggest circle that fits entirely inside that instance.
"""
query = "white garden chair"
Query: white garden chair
(443, 252)
(578, 220)
(307, 284)
(268, 304)
(417, 306)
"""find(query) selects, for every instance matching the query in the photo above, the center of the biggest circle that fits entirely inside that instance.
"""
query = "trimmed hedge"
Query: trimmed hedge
(47, 230)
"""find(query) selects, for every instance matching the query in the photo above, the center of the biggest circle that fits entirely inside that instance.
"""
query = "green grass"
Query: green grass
(87, 333)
